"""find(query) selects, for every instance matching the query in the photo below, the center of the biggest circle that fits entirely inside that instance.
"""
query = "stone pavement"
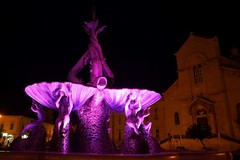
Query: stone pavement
(190, 155)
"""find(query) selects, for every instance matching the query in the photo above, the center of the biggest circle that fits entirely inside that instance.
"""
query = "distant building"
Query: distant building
(12, 125)
(207, 91)
(117, 124)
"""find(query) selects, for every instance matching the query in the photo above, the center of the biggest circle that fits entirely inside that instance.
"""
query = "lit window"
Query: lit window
(197, 71)
(24, 136)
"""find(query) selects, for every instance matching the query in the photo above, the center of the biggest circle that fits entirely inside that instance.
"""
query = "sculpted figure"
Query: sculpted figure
(36, 133)
(94, 57)
(137, 135)
(64, 105)
(93, 107)
(93, 102)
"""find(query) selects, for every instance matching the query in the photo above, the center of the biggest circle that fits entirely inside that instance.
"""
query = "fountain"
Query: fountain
(93, 102)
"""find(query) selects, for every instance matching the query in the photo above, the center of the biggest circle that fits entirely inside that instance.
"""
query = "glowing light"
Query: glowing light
(172, 157)
(24, 136)
(4, 134)
(220, 154)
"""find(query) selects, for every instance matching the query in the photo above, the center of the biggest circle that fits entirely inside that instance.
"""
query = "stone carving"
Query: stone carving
(37, 134)
(93, 102)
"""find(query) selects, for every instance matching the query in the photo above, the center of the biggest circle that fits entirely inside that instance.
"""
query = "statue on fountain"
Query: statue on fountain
(35, 131)
(93, 102)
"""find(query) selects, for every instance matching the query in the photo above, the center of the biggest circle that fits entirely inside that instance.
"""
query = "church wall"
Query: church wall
(158, 120)
(232, 80)
(222, 114)
(202, 51)
(173, 104)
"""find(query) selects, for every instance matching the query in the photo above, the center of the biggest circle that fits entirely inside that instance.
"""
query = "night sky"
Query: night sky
(42, 40)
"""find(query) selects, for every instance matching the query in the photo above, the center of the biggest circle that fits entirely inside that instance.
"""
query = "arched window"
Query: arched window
(176, 117)
(197, 71)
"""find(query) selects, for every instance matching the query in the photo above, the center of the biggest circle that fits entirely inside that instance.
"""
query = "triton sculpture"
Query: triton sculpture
(93, 102)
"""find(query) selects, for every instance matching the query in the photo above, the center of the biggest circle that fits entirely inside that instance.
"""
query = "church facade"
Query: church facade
(207, 90)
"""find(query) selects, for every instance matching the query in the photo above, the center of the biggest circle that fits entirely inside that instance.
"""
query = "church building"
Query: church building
(207, 90)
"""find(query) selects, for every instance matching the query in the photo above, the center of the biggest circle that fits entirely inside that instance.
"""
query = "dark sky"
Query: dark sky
(42, 39)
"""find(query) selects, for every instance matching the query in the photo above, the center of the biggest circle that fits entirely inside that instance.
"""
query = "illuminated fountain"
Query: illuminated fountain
(93, 102)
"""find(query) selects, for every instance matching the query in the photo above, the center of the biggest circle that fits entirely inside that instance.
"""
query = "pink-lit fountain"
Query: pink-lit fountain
(93, 102)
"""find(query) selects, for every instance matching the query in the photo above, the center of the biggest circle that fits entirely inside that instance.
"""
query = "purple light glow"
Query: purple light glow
(66, 97)
(47, 94)
(93, 103)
